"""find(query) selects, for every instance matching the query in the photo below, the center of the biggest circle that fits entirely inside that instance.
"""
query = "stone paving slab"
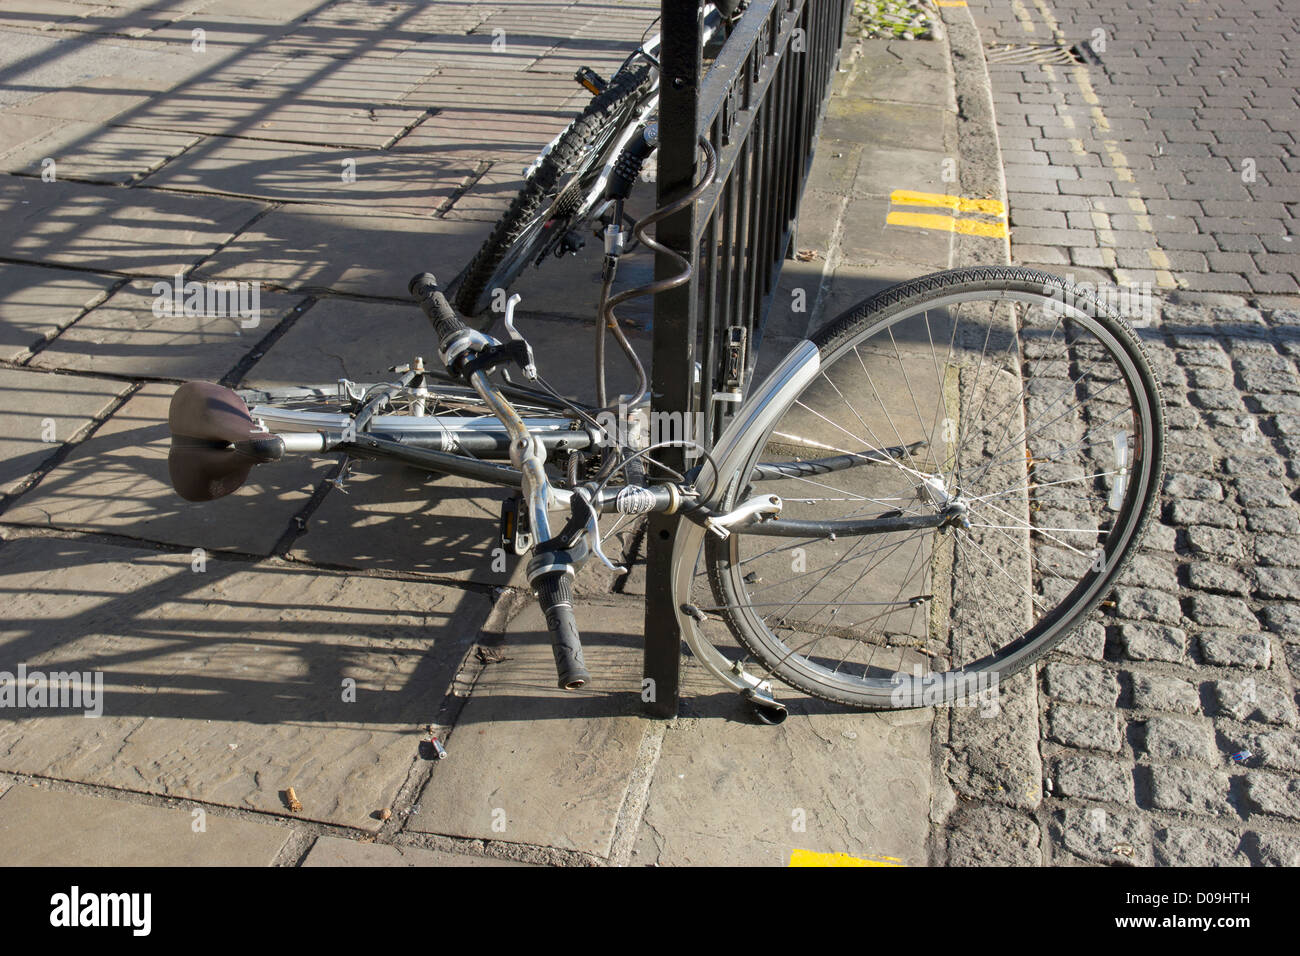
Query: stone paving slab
(129, 18)
(494, 95)
(19, 129)
(123, 231)
(36, 302)
(883, 169)
(333, 851)
(728, 791)
(39, 14)
(872, 238)
(229, 684)
(96, 100)
(86, 152)
(511, 140)
(327, 80)
(409, 181)
(602, 42)
(403, 16)
(222, 37)
(510, 52)
(116, 483)
(51, 828)
(890, 122)
(282, 11)
(904, 71)
(547, 767)
(254, 116)
(39, 405)
(37, 63)
(124, 337)
(307, 246)
(396, 518)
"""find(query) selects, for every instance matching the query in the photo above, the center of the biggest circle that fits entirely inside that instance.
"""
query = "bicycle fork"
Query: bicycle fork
(551, 569)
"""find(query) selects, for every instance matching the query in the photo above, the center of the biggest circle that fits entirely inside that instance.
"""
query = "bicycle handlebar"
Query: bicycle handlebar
(445, 321)
(555, 595)
(554, 588)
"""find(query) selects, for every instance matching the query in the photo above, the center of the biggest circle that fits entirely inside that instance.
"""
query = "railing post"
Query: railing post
(760, 105)
(673, 357)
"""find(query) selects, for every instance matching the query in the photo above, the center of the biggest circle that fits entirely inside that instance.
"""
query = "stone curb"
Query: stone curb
(964, 748)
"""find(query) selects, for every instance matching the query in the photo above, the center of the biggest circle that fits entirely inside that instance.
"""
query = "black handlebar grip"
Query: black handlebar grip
(445, 321)
(555, 594)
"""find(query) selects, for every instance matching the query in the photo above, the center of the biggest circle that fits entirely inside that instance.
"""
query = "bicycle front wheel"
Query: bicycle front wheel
(1004, 398)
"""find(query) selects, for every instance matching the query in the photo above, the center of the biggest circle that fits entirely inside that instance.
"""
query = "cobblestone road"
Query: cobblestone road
(1165, 156)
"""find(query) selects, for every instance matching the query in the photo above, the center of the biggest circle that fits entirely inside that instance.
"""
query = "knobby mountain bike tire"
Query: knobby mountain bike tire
(1005, 389)
(551, 199)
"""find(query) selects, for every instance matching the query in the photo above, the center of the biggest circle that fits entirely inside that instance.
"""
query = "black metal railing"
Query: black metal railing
(759, 103)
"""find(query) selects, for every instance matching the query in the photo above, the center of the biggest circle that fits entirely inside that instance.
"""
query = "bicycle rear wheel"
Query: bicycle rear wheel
(1006, 392)
(556, 194)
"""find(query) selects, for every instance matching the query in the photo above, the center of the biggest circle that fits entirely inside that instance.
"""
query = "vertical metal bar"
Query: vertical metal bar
(737, 252)
(709, 292)
(675, 313)
(759, 138)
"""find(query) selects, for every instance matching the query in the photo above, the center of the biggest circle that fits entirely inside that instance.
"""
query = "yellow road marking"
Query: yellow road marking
(969, 227)
(909, 197)
(813, 858)
(1050, 20)
(1164, 275)
(1102, 222)
(1022, 15)
(950, 3)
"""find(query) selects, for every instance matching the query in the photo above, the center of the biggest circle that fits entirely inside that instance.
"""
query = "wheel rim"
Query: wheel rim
(869, 651)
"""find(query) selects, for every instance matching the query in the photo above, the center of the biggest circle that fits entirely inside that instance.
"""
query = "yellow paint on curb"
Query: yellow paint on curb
(908, 197)
(950, 3)
(931, 220)
(813, 858)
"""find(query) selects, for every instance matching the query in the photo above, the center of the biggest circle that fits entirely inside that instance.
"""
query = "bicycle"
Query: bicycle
(921, 500)
(582, 178)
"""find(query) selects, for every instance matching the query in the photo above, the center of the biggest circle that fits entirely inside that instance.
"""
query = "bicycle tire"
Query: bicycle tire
(576, 154)
(842, 337)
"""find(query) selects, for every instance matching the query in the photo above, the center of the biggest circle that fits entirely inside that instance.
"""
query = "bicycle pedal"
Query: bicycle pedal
(516, 533)
(589, 78)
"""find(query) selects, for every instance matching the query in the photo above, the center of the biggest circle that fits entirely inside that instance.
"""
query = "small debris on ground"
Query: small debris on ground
(292, 801)
(432, 749)
(490, 655)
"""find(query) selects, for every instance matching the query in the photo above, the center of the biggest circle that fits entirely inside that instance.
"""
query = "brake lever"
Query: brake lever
(530, 368)
(593, 533)
(750, 511)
